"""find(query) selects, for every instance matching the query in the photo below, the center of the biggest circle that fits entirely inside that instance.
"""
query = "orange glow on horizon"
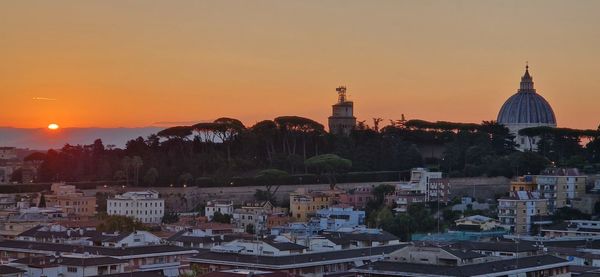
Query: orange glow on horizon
(53, 126)
(138, 64)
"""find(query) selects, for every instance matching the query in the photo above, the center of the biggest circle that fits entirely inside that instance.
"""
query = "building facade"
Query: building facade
(520, 211)
(334, 218)
(144, 206)
(305, 204)
(224, 207)
(71, 201)
(560, 186)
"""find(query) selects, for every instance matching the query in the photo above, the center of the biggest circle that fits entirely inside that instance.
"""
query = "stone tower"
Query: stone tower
(342, 119)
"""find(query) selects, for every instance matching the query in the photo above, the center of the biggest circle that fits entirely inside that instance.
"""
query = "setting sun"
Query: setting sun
(53, 126)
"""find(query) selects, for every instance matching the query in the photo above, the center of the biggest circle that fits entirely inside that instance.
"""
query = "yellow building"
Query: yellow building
(74, 203)
(524, 183)
(304, 203)
(561, 186)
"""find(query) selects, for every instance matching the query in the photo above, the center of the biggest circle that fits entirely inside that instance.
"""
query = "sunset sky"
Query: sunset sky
(142, 63)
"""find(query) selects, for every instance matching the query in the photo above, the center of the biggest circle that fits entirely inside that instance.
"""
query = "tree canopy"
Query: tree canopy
(218, 152)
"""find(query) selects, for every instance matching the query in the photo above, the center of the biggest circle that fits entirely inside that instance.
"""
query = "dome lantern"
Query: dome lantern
(526, 82)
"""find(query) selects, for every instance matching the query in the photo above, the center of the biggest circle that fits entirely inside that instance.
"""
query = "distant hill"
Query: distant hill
(43, 139)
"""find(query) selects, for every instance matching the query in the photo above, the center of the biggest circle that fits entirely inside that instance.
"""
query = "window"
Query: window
(71, 269)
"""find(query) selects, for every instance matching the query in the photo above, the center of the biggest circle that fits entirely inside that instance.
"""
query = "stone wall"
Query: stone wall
(185, 199)
(479, 187)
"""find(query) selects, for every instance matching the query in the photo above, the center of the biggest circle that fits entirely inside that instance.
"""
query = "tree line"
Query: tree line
(226, 149)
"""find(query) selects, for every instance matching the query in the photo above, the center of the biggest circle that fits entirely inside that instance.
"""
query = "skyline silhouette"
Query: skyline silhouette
(116, 64)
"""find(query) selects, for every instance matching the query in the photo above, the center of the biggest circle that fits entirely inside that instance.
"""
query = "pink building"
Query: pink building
(358, 198)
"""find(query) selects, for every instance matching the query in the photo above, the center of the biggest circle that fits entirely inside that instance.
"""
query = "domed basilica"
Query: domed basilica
(525, 109)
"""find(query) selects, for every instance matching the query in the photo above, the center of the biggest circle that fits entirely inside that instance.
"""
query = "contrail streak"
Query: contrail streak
(44, 98)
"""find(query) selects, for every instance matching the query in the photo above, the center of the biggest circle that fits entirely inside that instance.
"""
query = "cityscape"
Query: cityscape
(122, 158)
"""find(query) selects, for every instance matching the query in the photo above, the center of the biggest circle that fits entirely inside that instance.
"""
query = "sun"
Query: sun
(53, 126)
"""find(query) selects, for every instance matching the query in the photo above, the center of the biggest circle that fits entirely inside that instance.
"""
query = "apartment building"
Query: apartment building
(73, 202)
(521, 210)
(305, 204)
(560, 186)
(334, 218)
(144, 206)
(253, 213)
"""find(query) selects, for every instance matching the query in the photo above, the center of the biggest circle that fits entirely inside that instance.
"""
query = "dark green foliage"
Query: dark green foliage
(566, 213)
(263, 195)
(151, 177)
(330, 165)
(118, 223)
(101, 198)
(272, 179)
(221, 218)
(250, 229)
(225, 152)
(417, 219)
(17, 175)
(170, 217)
(381, 191)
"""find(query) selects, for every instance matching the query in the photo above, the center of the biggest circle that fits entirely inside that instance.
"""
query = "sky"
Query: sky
(145, 63)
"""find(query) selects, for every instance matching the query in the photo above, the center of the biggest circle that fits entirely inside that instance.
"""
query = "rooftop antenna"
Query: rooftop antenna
(341, 90)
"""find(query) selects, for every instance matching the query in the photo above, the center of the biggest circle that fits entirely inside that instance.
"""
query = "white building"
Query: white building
(477, 223)
(424, 186)
(421, 178)
(144, 206)
(334, 218)
(222, 206)
(254, 213)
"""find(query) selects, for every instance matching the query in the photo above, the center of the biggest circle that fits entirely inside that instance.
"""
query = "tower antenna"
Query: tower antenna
(341, 90)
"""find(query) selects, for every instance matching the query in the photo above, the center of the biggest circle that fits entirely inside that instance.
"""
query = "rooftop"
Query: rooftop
(480, 269)
(51, 248)
(293, 261)
(45, 261)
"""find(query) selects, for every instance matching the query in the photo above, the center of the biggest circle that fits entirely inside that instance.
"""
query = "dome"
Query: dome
(526, 106)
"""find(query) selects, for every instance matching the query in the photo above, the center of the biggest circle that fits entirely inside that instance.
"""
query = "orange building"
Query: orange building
(524, 183)
(73, 202)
